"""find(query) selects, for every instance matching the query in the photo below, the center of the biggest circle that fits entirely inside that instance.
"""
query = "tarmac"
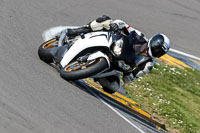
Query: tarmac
(33, 97)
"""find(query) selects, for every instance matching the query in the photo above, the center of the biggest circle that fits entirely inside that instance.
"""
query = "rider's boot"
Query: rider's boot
(112, 84)
(78, 31)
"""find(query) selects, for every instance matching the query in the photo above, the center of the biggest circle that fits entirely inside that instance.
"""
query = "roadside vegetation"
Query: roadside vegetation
(171, 95)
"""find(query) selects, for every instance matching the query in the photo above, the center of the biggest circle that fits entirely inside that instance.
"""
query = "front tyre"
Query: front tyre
(45, 49)
(76, 70)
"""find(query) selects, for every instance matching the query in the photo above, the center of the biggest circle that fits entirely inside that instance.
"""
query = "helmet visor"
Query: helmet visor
(156, 44)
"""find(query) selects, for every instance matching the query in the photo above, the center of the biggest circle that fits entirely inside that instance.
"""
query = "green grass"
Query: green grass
(171, 95)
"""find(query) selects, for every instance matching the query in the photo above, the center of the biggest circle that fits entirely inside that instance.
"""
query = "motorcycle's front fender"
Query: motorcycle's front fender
(97, 55)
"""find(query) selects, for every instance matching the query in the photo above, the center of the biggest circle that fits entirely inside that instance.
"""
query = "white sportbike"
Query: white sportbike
(97, 54)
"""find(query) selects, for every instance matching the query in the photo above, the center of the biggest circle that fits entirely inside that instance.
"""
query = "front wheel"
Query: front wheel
(76, 70)
(45, 49)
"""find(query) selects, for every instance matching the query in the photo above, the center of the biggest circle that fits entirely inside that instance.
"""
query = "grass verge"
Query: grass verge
(171, 95)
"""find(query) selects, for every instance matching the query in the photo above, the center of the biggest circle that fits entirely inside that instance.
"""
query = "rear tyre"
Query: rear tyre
(76, 70)
(45, 49)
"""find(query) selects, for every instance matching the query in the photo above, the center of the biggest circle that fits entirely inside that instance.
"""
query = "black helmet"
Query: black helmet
(158, 45)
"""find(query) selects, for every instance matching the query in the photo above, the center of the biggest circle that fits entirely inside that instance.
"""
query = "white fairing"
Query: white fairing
(93, 39)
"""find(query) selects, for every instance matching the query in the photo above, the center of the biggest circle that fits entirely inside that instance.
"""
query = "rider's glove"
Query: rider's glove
(128, 78)
(114, 27)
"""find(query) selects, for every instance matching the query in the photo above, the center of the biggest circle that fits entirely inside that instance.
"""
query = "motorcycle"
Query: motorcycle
(101, 55)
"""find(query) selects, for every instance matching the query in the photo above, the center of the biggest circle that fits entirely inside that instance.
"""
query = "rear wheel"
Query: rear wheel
(45, 48)
(77, 70)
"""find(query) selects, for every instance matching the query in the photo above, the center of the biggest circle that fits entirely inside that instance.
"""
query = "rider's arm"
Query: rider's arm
(139, 71)
(136, 34)
(143, 69)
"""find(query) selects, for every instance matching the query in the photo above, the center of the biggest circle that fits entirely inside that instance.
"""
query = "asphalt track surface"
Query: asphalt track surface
(33, 97)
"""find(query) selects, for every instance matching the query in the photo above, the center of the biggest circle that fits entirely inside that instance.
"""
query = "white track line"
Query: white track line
(123, 117)
(185, 54)
(141, 131)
